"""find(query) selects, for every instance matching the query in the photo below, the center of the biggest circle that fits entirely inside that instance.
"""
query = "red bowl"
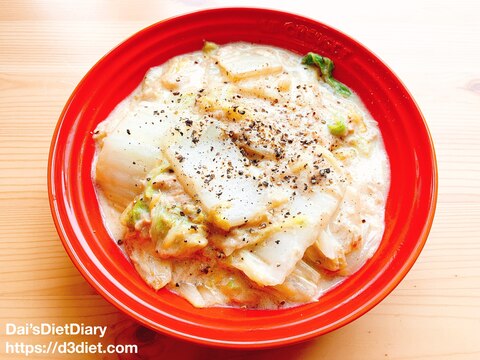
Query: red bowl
(409, 211)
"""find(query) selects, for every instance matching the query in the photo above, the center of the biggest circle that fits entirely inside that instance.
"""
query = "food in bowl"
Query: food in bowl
(243, 175)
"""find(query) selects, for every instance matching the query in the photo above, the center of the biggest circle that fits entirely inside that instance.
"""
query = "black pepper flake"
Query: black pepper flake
(278, 152)
(179, 131)
(209, 177)
(177, 285)
(128, 131)
(120, 242)
(364, 221)
(182, 213)
(277, 242)
(188, 122)
(180, 158)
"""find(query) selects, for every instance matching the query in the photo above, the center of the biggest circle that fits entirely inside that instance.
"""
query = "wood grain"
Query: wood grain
(47, 46)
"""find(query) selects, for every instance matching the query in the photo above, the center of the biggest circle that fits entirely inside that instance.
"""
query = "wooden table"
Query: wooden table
(47, 46)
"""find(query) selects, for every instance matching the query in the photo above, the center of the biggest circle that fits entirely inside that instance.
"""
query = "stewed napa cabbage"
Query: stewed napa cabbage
(243, 175)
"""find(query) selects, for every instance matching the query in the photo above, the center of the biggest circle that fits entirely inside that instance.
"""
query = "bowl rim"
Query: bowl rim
(365, 306)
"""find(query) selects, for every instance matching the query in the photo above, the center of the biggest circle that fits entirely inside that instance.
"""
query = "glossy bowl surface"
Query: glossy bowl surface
(410, 206)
